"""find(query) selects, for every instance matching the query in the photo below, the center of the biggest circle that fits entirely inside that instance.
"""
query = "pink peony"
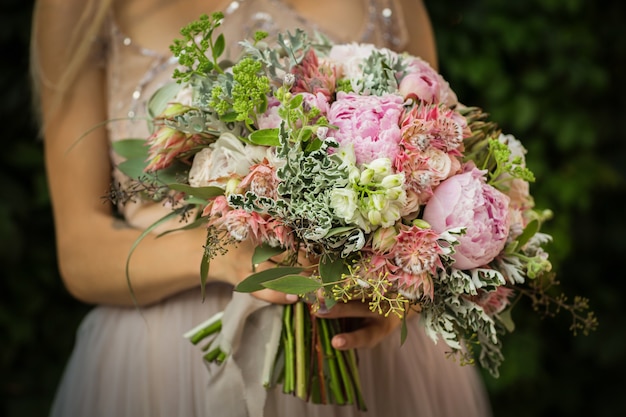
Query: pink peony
(465, 200)
(370, 123)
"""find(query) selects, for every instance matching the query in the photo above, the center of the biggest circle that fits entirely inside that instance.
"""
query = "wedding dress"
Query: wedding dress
(131, 363)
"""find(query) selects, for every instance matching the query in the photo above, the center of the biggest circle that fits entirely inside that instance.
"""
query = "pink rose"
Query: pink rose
(423, 83)
(370, 123)
(465, 200)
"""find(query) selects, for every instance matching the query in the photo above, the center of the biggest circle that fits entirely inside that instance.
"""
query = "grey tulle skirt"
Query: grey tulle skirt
(132, 363)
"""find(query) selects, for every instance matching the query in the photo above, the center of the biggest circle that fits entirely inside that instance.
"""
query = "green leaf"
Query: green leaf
(161, 98)
(295, 102)
(204, 269)
(134, 168)
(219, 46)
(293, 284)
(265, 137)
(506, 319)
(339, 230)
(529, 231)
(331, 269)
(264, 252)
(204, 193)
(254, 282)
(229, 117)
(131, 148)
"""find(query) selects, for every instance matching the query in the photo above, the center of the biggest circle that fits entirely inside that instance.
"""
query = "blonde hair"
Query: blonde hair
(58, 69)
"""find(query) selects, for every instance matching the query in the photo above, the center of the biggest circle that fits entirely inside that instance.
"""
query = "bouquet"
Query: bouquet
(364, 160)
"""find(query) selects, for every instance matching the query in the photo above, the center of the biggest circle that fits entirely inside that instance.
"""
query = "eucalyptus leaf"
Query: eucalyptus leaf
(254, 282)
(131, 148)
(199, 192)
(331, 269)
(134, 168)
(293, 284)
(264, 252)
(161, 98)
(265, 137)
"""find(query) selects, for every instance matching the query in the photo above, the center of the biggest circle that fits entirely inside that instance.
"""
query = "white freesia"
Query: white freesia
(380, 166)
(214, 165)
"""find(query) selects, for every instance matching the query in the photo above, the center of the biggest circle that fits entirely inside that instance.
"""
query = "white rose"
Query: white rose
(344, 203)
(184, 96)
(439, 163)
(213, 166)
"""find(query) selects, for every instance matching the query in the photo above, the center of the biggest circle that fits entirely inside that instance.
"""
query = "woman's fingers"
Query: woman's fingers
(373, 327)
(275, 297)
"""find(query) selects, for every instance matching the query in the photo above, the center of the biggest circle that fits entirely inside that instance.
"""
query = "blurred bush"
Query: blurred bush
(550, 72)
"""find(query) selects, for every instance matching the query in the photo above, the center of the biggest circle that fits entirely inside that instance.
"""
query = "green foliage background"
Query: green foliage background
(551, 72)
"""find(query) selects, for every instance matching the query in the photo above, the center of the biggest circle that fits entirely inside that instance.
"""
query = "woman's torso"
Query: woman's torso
(138, 61)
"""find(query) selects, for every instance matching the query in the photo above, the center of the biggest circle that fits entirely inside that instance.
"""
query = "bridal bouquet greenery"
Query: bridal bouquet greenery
(364, 160)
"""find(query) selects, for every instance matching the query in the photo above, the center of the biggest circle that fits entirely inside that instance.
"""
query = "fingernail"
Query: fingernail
(292, 298)
(339, 342)
(322, 309)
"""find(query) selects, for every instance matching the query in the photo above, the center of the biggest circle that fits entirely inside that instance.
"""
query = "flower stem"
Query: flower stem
(301, 376)
(288, 383)
(332, 364)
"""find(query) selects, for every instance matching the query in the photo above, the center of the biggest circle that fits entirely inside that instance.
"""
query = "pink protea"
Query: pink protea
(239, 223)
(417, 254)
(311, 77)
(262, 181)
(275, 233)
(166, 144)
(433, 126)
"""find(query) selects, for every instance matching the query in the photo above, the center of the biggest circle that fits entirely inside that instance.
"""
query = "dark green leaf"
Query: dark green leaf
(219, 46)
(254, 282)
(204, 193)
(204, 270)
(264, 252)
(331, 269)
(529, 231)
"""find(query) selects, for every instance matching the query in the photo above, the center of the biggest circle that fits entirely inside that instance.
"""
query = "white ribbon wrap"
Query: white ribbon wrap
(249, 337)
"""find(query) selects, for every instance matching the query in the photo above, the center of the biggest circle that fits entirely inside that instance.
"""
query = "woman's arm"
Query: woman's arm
(92, 252)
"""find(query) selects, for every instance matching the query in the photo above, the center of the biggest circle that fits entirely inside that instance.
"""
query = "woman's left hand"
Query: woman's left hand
(373, 327)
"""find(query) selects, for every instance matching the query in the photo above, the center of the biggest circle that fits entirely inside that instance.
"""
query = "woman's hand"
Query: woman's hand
(277, 297)
(373, 327)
